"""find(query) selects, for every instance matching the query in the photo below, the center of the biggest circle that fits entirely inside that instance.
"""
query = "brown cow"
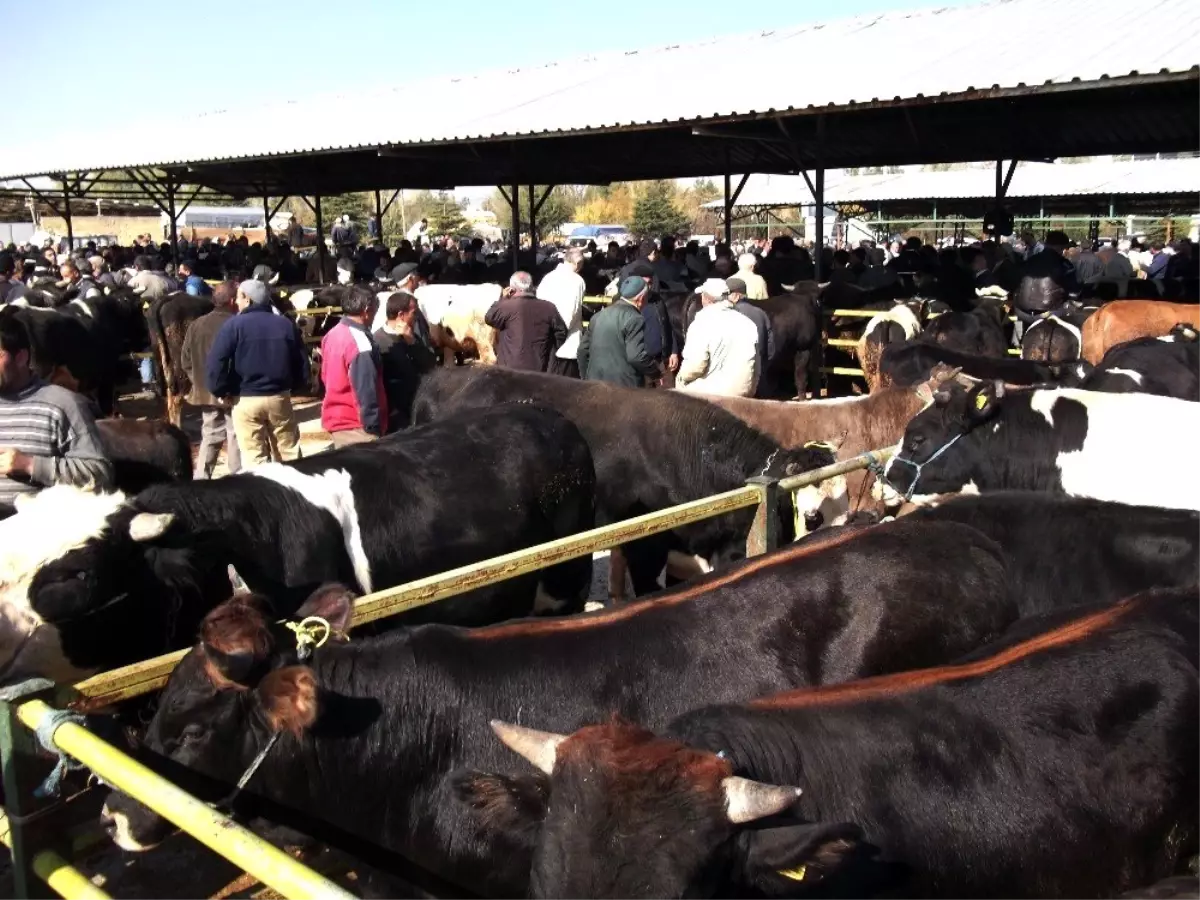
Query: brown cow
(862, 423)
(1126, 320)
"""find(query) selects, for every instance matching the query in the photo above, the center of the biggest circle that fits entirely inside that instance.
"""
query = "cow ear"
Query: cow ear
(150, 526)
(984, 401)
(332, 602)
(287, 698)
(782, 860)
(235, 640)
(509, 805)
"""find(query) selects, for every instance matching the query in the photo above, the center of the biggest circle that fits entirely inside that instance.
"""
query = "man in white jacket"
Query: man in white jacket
(720, 355)
(564, 287)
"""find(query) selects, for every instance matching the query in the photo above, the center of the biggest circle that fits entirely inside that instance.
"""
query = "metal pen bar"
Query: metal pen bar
(64, 879)
(252, 854)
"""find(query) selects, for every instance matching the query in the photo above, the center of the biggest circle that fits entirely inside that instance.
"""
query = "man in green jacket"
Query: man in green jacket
(613, 346)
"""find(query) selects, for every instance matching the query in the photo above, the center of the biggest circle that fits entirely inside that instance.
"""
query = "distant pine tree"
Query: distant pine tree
(655, 212)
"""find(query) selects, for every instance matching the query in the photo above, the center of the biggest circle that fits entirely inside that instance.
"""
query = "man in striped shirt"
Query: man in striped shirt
(47, 434)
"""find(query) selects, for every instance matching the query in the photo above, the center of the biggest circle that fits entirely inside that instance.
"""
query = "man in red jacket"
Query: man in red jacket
(355, 406)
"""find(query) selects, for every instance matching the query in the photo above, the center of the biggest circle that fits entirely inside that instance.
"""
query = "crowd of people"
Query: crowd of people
(245, 361)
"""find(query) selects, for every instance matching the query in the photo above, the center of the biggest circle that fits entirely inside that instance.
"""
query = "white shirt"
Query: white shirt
(564, 288)
(721, 353)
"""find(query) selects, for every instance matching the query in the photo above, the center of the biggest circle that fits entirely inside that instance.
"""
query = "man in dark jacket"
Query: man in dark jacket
(258, 357)
(530, 330)
(762, 322)
(404, 357)
(613, 346)
(660, 336)
(216, 425)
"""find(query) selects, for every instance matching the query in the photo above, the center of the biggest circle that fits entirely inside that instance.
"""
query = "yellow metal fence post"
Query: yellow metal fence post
(24, 769)
(252, 854)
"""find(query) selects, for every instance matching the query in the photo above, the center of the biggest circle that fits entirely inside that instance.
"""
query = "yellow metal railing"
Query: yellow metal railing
(264, 861)
(64, 879)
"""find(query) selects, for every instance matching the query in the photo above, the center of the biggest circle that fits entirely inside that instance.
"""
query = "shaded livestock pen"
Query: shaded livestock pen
(37, 718)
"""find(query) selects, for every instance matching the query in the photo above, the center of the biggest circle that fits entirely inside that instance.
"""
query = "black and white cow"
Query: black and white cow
(99, 580)
(1052, 339)
(1128, 448)
(1168, 366)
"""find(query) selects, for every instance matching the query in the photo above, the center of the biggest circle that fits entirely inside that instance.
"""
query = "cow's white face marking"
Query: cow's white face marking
(1043, 402)
(1132, 374)
(830, 498)
(684, 567)
(330, 491)
(122, 833)
(45, 528)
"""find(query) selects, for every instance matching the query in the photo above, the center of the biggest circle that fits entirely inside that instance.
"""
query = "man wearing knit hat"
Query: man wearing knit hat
(259, 359)
(613, 346)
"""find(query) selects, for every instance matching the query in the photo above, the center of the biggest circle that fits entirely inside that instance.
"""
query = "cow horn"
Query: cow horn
(539, 747)
(235, 580)
(148, 526)
(746, 800)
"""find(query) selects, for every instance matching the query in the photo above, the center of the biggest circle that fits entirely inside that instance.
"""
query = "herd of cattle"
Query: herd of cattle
(994, 693)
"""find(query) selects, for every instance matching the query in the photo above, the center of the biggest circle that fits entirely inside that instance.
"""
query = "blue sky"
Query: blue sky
(139, 61)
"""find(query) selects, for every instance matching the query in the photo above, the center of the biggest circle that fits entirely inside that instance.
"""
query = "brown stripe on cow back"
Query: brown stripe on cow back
(532, 627)
(886, 685)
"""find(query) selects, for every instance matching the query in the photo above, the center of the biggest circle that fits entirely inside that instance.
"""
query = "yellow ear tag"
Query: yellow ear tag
(980, 401)
(796, 874)
(820, 445)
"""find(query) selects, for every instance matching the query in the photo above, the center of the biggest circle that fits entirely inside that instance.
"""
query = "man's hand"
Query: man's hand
(673, 362)
(14, 462)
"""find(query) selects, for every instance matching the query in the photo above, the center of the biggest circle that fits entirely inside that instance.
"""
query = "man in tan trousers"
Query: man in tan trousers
(258, 358)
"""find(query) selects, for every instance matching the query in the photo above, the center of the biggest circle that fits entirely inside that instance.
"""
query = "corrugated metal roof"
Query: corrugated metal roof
(870, 59)
(1031, 179)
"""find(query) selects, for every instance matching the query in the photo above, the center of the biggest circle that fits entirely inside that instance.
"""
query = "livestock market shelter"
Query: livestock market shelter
(1040, 195)
(1046, 81)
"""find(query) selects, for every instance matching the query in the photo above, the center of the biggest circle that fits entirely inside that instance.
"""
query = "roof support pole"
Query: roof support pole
(67, 215)
(1003, 179)
(728, 203)
(533, 211)
(174, 221)
(320, 239)
(50, 203)
(819, 197)
(267, 216)
(514, 205)
(378, 215)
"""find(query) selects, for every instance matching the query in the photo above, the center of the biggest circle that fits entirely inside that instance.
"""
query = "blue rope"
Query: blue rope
(52, 786)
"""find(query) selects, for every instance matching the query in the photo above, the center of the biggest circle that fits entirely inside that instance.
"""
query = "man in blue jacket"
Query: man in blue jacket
(256, 361)
(193, 284)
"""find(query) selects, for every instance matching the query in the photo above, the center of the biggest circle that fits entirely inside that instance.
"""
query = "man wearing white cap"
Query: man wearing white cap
(720, 355)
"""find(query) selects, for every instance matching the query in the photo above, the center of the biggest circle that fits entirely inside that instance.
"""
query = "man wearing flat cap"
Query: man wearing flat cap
(259, 359)
(613, 346)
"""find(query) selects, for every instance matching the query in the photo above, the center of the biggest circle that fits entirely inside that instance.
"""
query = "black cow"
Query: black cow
(1053, 338)
(980, 331)
(1058, 762)
(1167, 366)
(1108, 550)
(168, 319)
(144, 453)
(112, 580)
(653, 450)
(1065, 441)
(415, 704)
(909, 363)
(793, 369)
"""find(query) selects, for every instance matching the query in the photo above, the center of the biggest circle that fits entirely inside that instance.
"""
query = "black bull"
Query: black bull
(415, 704)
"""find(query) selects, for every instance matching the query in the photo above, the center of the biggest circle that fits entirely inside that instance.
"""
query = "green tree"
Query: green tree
(359, 206)
(447, 217)
(655, 212)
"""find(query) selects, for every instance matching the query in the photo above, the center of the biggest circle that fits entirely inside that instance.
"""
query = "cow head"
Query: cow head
(616, 811)
(241, 684)
(87, 581)
(805, 509)
(931, 458)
